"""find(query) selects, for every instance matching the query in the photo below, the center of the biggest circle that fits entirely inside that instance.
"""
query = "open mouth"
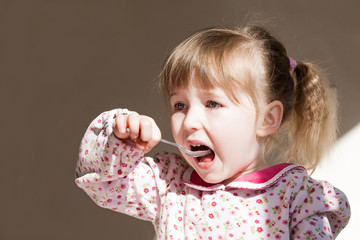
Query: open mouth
(206, 158)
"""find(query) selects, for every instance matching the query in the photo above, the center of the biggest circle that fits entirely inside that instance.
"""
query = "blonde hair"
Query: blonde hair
(251, 60)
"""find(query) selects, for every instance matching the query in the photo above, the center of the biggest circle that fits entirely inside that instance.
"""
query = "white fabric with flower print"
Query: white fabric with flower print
(281, 202)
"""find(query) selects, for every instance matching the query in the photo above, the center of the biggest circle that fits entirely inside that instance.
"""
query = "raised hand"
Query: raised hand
(140, 129)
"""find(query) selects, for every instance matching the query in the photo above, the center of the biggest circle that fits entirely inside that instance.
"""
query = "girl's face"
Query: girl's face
(207, 118)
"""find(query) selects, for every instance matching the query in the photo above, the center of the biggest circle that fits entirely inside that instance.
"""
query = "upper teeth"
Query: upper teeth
(196, 145)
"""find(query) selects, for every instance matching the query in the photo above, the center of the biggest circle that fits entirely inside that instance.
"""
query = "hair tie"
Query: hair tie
(293, 64)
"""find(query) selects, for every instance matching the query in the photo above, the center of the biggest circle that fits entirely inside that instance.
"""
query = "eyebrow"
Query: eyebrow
(210, 92)
(172, 94)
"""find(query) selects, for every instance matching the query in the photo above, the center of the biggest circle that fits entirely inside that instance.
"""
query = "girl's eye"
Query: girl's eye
(212, 104)
(179, 106)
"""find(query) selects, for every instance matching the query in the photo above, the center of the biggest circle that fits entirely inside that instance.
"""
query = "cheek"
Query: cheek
(175, 125)
(237, 129)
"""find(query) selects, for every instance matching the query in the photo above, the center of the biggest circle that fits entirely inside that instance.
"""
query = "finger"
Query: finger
(146, 128)
(155, 137)
(133, 125)
(120, 126)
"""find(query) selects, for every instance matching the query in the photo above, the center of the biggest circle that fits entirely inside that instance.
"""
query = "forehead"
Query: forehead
(206, 83)
(191, 88)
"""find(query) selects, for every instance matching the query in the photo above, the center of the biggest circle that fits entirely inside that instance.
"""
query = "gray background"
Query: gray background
(64, 62)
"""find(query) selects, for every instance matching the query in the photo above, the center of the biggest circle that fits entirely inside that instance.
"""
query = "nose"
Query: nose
(193, 119)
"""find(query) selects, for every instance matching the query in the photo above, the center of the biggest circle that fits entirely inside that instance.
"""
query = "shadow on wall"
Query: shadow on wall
(340, 168)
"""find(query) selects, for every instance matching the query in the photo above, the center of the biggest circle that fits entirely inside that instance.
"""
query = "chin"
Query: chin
(212, 180)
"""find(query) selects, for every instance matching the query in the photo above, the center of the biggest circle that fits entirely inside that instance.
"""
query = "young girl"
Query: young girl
(264, 117)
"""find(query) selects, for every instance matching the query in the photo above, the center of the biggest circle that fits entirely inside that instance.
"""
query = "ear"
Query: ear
(271, 119)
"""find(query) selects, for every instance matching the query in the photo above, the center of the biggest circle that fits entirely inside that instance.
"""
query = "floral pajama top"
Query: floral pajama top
(280, 202)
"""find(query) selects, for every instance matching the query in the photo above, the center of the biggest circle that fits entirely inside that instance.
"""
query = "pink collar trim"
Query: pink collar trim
(256, 180)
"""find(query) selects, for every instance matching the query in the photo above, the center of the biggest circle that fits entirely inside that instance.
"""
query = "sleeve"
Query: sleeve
(114, 173)
(320, 211)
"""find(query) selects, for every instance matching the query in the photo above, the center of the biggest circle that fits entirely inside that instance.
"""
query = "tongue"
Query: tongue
(207, 158)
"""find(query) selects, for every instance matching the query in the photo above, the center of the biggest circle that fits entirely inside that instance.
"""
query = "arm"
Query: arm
(321, 211)
(107, 167)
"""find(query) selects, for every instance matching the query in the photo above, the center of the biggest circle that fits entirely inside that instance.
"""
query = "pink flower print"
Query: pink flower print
(213, 204)
(119, 172)
(257, 221)
(180, 219)
(231, 235)
(259, 229)
(86, 152)
(259, 201)
(211, 215)
(109, 200)
(146, 190)
(276, 209)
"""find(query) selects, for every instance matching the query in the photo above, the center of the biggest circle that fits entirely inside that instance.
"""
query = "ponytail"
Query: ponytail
(312, 122)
